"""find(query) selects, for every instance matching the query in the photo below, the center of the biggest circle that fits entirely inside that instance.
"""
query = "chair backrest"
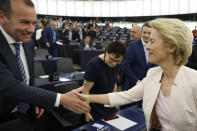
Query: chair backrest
(12, 125)
(38, 69)
(66, 87)
(41, 52)
(105, 45)
(73, 42)
(65, 65)
(64, 116)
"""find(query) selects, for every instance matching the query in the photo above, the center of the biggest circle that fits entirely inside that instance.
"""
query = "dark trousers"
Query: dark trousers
(16, 120)
(26, 122)
(53, 50)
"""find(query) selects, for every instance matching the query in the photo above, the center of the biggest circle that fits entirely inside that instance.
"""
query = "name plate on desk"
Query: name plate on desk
(54, 77)
(64, 79)
(45, 76)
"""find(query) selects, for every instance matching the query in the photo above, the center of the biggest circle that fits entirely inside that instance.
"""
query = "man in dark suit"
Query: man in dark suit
(86, 44)
(80, 33)
(70, 34)
(50, 38)
(16, 67)
(135, 65)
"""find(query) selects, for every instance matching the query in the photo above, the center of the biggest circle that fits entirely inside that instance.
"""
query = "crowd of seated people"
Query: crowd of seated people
(68, 30)
(98, 35)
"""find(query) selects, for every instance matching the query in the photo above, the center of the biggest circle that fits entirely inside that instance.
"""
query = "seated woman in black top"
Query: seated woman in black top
(100, 78)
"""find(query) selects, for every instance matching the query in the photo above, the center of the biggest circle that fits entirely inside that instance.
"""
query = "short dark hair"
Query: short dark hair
(146, 25)
(118, 48)
(5, 6)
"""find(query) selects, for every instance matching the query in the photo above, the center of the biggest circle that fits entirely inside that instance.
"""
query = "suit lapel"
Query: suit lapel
(151, 94)
(28, 56)
(29, 52)
(157, 84)
(9, 56)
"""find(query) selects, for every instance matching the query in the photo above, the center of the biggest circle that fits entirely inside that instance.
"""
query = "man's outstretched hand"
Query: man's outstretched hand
(73, 102)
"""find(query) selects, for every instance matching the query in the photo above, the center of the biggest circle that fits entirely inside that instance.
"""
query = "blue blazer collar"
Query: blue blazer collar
(141, 50)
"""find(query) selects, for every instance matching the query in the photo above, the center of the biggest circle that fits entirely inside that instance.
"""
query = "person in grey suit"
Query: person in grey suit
(16, 66)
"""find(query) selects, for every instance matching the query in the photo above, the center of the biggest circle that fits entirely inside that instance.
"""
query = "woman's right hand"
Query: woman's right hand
(88, 117)
(83, 97)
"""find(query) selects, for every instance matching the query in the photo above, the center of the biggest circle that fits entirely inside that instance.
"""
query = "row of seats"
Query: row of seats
(64, 65)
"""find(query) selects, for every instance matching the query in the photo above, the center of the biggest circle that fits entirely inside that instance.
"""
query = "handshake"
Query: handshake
(75, 102)
(79, 103)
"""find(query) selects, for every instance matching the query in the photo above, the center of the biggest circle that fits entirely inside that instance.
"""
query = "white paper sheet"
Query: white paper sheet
(83, 72)
(97, 125)
(59, 43)
(45, 76)
(64, 79)
(121, 123)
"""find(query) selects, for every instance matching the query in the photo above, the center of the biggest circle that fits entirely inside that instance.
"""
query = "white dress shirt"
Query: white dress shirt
(163, 111)
(145, 50)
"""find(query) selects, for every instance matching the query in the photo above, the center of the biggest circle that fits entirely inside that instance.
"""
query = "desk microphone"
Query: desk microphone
(54, 77)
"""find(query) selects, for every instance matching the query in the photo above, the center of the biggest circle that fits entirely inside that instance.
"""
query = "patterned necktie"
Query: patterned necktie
(22, 107)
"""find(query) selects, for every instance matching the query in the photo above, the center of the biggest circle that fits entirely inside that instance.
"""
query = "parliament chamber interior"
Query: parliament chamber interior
(75, 47)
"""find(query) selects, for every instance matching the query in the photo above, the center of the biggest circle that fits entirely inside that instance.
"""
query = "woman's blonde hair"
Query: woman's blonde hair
(175, 33)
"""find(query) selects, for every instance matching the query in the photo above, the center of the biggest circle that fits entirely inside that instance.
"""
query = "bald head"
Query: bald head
(135, 32)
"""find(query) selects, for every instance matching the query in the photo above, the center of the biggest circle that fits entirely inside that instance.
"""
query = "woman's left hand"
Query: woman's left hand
(83, 97)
